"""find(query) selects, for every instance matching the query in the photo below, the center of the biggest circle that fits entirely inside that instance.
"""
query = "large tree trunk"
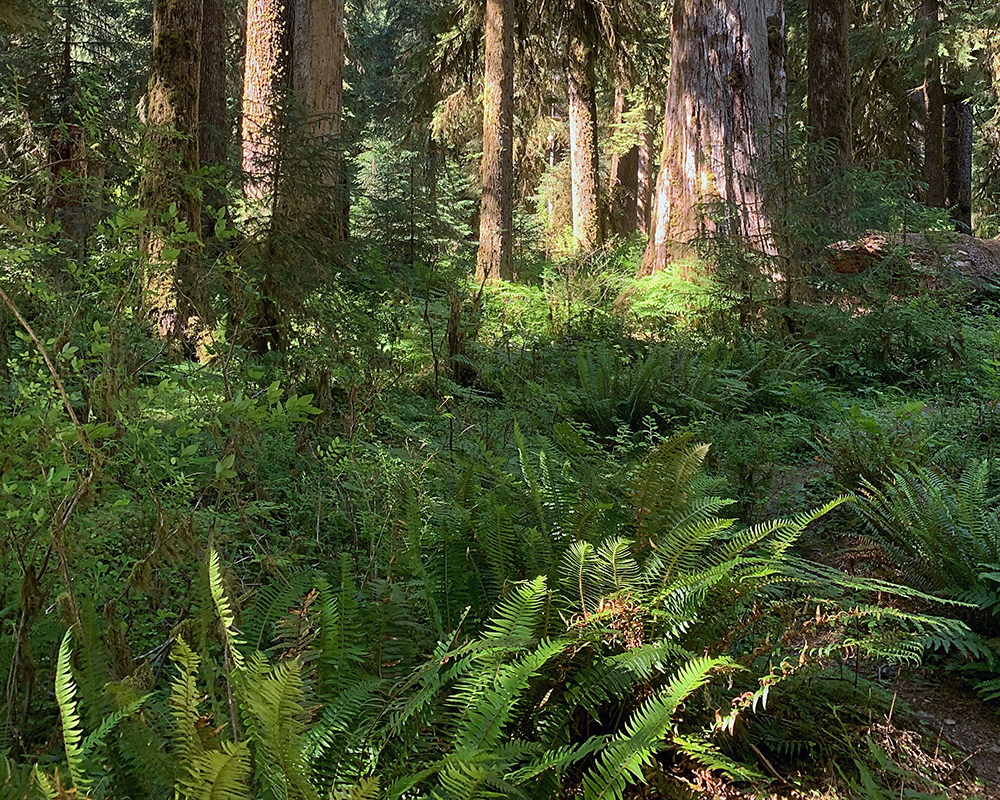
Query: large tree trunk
(213, 132)
(644, 172)
(265, 82)
(318, 86)
(496, 219)
(829, 84)
(624, 176)
(714, 143)
(958, 127)
(933, 114)
(173, 290)
(587, 222)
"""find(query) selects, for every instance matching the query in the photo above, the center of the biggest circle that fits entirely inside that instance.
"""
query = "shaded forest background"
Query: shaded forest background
(359, 364)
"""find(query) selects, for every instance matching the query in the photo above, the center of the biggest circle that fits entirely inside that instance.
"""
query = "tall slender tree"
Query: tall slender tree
(933, 96)
(714, 143)
(496, 220)
(588, 229)
(317, 85)
(173, 292)
(212, 124)
(624, 173)
(266, 78)
(644, 171)
(829, 82)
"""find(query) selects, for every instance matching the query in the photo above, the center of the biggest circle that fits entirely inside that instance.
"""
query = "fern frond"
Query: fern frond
(65, 689)
(517, 616)
(231, 635)
(621, 762)
(364, 789)
(184, 702)
(217, 774)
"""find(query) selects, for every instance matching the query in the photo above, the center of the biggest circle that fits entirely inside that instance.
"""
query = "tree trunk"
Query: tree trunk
(319, 48)
(829, 84)
(213, 131)
(933, 114)
(587, 223)
(496, 218)
(644, 172)
(624, 176)
(714, 143)
(174, 292)
(958, 128)
(265, 81)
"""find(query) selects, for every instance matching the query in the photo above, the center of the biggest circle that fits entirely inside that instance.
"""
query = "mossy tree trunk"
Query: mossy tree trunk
(496, 219)
(715, 143)
(587, 223)
(171, 235)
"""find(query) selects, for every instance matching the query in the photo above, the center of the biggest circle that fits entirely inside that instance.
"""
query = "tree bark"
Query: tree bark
(587, 223)
(319, 48)
(933, 113)
(496, 219)
(644, 173)
(173, 294)
(714, 144)
(958, 128)
(213, 131)
(265, 82)
(829, 84)
(624, 175)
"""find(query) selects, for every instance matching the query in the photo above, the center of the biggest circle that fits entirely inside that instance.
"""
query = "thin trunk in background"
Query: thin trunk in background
(829, 85)
(496, 219)
(644, 172)
(173, 283)
(587, 223)
(958, 141)
(624, 175)
(317, 84)
(265, 81)
(213, 130)
(933, 111)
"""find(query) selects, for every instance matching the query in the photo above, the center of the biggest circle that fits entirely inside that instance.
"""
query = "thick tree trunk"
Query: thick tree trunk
(213, 131)
(624, 176)
(829, 84)
(265, 82)
(587, 222)
(173, 290)
(715, 143)
(958, 128)
(933, 115)
(318, 86)
(496, 218)
(644, 172)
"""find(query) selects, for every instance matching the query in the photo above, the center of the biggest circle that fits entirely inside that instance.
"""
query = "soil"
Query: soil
(954, 714)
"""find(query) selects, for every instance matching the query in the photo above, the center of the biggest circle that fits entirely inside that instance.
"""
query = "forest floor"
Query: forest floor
(957, 716)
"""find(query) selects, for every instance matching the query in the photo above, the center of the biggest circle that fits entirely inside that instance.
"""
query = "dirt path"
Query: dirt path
(956, 715)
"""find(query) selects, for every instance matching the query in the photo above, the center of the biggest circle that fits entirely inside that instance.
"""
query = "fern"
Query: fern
(72, 733)
(217, 774)
(621, 762)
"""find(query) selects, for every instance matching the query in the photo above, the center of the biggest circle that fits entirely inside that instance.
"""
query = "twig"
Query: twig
(767, 764)
(80, 430)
